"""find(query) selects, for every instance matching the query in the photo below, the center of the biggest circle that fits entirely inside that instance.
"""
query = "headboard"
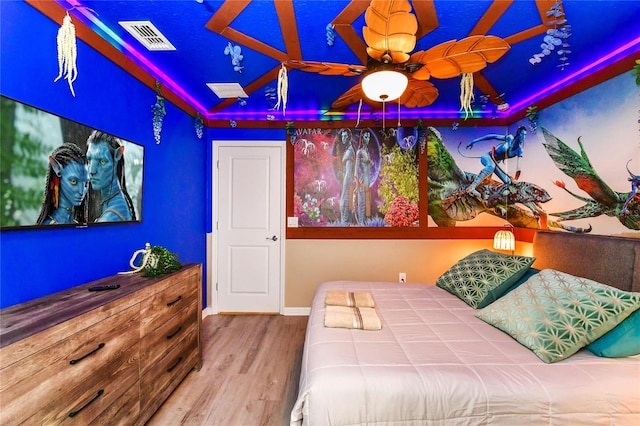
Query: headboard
(609, 260)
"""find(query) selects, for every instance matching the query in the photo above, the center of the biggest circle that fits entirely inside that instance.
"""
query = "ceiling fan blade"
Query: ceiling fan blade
(391, 29)
(326, 68)
(348, 98)
(452, 58)
(419, 94)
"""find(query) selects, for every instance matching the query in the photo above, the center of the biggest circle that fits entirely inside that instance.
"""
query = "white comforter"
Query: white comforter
(433, 362)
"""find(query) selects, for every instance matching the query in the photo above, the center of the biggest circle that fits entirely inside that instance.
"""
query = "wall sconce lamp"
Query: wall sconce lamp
(504, 239)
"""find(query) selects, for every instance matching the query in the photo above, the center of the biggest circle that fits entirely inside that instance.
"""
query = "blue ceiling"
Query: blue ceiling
(597, 29)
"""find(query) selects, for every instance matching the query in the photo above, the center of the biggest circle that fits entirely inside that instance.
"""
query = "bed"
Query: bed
(435, 362)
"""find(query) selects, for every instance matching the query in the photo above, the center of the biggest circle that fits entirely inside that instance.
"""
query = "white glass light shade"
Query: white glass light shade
(384, 86)
(504, 240)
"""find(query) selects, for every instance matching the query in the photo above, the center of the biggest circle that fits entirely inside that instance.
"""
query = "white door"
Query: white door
(249, 227)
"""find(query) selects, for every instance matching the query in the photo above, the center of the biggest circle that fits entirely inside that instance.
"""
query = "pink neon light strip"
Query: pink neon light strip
(151, 68)
(536, 96)
(167, 81)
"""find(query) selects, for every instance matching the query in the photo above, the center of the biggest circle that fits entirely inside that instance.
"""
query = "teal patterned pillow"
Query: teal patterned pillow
(556, 314)
(483, 276)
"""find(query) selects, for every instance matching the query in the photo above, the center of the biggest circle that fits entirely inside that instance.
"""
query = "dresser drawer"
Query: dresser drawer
(48, 385)
(126, 409)
(156, 344)
(86, 403)
(167, 373)
(156, 309)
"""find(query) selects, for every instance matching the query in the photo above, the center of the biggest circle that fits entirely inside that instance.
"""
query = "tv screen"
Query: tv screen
(57, 172)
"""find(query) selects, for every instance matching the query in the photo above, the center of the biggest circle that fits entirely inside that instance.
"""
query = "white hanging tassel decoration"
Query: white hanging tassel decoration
(359, 109)
(67, 52)
(283, 88)
(466, 94)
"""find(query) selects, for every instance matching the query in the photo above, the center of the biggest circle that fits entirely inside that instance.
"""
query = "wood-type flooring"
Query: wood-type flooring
(249, 377)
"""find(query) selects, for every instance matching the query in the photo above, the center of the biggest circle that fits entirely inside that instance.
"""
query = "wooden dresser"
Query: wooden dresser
(105, 357)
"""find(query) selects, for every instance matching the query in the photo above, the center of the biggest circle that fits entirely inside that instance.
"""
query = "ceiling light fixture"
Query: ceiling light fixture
(384, 85)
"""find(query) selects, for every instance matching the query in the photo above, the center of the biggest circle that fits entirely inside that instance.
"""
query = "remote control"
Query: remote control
(104, 287)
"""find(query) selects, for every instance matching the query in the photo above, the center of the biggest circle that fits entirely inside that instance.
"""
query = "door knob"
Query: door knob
(274, 238)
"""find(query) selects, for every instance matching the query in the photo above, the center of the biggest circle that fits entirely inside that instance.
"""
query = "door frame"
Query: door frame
(212, 288)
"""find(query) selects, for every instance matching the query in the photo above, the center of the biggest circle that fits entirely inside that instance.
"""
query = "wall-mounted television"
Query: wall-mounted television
(57, 172)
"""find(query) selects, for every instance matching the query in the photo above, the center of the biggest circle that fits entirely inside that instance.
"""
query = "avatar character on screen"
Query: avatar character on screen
(109, 200)
(65, 186)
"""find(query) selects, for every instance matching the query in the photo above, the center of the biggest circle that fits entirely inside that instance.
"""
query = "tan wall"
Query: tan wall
(311, 262)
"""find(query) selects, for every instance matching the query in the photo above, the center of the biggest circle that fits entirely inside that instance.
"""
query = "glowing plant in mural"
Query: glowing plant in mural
(399, 177)
(402, 213)
(309, 211)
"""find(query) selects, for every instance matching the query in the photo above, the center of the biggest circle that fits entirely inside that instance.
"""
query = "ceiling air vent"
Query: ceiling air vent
(147, 34)
(228, 90)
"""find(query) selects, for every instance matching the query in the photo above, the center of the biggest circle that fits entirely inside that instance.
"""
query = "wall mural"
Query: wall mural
(576, 168)
(59, 172)
(356, 177)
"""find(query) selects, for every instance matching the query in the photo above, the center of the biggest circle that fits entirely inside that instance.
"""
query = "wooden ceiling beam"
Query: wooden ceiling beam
(225, 15)
(343, 24)
(526, 34)
(427, 17)
(289, 28)
(490, 17)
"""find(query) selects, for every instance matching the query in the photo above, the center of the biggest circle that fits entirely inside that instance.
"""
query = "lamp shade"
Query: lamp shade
(384, 86)
(504, 240)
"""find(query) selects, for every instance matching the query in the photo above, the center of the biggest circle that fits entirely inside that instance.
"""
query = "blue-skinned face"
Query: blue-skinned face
(100, 165)
(72, 184)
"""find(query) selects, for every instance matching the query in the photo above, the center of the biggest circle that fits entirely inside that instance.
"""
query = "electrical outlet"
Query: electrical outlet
(402, 277)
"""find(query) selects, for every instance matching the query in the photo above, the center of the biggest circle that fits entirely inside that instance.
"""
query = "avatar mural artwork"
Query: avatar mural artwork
(365, 177)
(579, 171)
(58, 172)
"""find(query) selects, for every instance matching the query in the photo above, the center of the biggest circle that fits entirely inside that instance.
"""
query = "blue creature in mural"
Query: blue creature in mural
(450, 203)
(511, 146)
(65, 186)
(625, 206)
(109, 200)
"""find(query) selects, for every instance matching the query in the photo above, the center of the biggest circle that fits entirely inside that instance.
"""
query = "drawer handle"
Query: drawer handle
(75, 413)
(75, 361)
(172, 335)
(170, 369)
(175, 301)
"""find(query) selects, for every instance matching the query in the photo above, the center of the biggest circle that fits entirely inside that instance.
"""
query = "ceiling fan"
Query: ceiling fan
(392, 71)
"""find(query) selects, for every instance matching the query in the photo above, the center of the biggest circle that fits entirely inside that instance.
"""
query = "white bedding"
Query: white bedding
(433, 362)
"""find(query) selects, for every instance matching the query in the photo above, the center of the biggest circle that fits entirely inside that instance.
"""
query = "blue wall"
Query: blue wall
(176, 197)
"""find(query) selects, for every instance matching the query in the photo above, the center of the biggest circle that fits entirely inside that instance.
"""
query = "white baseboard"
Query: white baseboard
(296, 311)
